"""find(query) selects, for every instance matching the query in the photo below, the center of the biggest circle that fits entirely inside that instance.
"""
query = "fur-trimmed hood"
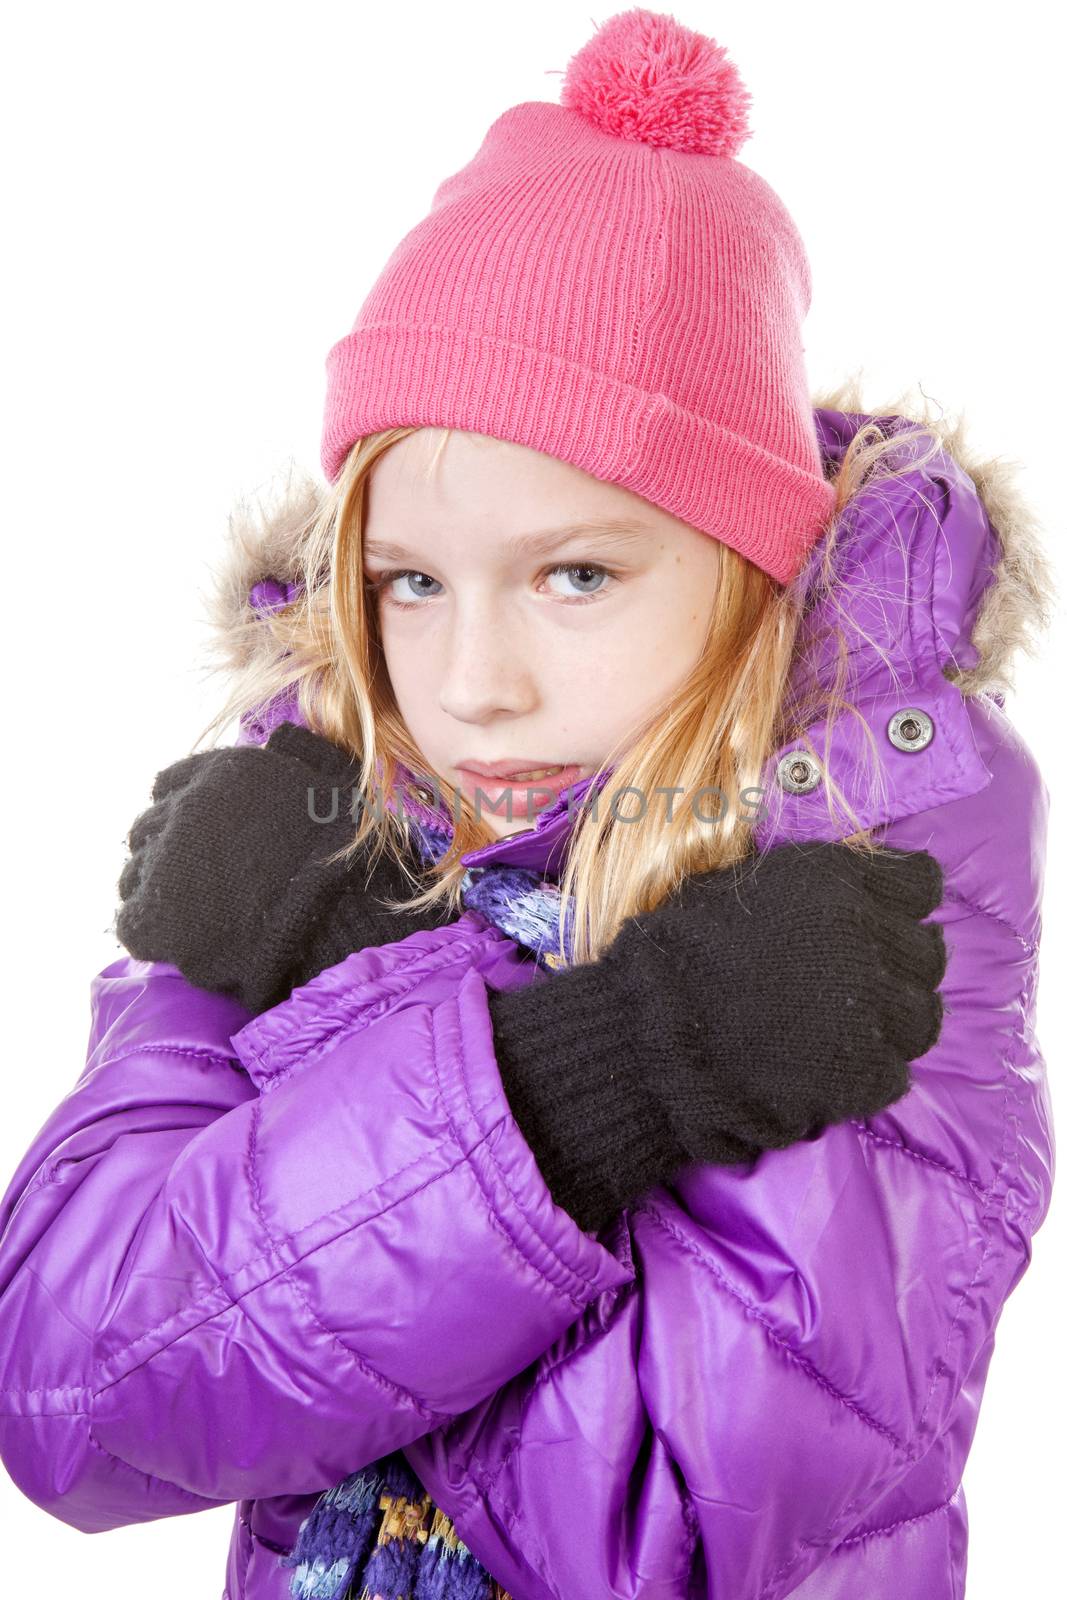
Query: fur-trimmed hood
(264, 539)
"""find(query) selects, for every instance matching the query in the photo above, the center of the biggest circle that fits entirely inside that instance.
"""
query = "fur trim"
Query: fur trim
(266, 540)
(262, 541)
(1019, 603)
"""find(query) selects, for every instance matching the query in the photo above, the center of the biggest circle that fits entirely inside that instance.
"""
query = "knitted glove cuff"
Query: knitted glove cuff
(580, 1093)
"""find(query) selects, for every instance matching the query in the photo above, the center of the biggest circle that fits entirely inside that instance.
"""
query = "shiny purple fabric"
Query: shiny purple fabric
(245, 1254)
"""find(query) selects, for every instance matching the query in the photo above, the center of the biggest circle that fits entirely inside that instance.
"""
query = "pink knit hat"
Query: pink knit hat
(605, 282)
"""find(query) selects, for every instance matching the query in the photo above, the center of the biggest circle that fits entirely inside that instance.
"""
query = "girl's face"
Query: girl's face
(514, 635)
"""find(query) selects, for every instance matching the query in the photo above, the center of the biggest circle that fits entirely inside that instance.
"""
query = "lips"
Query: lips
(513, 769)
(523, 795)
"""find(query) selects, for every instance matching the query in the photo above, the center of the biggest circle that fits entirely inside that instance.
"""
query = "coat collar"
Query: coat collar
(917, 552)
(917, 555)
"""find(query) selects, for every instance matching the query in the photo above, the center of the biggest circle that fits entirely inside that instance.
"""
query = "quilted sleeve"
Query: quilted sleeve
(795, 1340)
(799, 1360)
(214, 1275)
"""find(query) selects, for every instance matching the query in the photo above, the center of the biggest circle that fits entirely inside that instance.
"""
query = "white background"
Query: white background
(196, 199)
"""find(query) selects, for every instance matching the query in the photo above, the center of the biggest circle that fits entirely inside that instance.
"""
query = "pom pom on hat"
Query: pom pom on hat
(644, 76)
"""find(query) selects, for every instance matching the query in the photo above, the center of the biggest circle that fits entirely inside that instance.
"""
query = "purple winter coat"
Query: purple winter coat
(247, 1255)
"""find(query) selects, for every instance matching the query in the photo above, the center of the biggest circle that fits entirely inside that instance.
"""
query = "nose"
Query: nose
(485, 673)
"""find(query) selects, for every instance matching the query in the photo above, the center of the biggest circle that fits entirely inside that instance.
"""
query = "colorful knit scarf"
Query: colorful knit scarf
(335, 1560)
(524, 904)
(417, 1554)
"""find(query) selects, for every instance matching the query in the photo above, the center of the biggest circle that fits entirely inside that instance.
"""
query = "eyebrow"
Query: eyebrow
(539, 543)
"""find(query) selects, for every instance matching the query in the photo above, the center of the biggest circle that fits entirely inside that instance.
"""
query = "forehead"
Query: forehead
(448, 479)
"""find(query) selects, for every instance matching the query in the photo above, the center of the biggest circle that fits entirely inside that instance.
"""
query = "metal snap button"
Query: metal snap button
(799, 772)
(911, 729)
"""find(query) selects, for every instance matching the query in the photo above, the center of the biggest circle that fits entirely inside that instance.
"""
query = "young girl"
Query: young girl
(601, 1174)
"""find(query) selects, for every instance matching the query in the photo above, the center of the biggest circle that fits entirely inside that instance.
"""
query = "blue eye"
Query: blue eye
(382, 586)
(588, 571)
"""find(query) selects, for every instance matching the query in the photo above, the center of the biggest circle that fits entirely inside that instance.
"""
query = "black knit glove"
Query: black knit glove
(747, 1012)
(226, 876)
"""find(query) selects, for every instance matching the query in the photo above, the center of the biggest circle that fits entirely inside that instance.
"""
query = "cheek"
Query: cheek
(404, 661)
(667, 636)
(631, 671)
(652, 647)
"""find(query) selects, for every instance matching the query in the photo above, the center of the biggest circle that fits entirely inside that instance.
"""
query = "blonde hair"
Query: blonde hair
(741, 701)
